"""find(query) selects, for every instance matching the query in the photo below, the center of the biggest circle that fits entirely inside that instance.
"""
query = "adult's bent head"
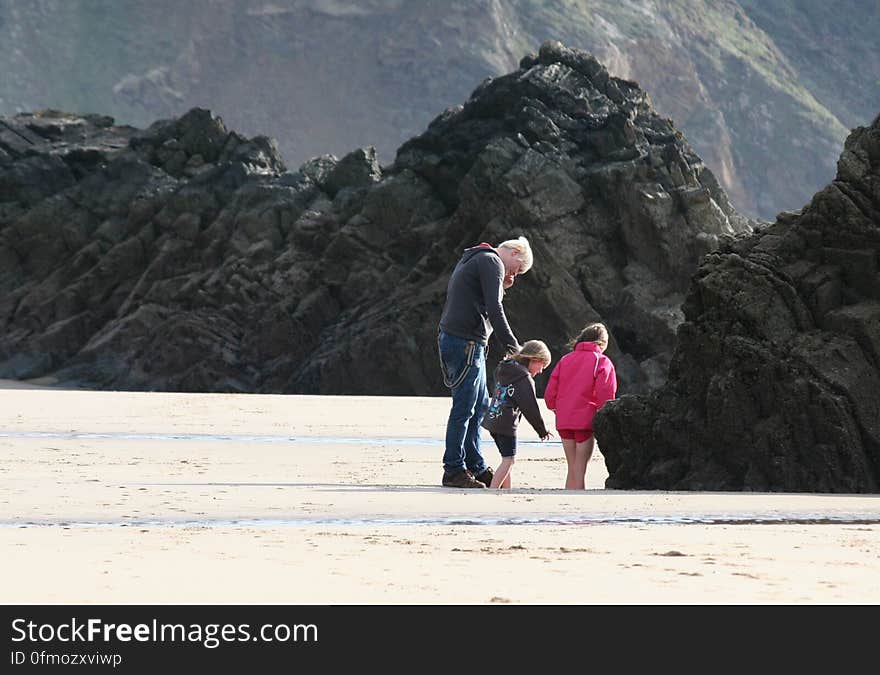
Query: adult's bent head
(516, 254)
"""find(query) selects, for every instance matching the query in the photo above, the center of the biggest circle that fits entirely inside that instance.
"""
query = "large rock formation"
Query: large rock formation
(775, 382)
(325, 76)
(186, 257)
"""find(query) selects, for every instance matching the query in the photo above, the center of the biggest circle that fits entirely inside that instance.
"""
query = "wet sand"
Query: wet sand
(115, 497)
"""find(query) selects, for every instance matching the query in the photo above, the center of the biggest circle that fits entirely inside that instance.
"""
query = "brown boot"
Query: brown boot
(486, 476)
(462, 479)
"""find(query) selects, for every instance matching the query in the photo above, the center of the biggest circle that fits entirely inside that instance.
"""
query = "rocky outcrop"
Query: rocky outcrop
(187, 257)
(775, 382)
(765, 92)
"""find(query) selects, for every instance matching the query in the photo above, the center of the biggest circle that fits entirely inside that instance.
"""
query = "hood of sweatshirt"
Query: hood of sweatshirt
(509, 371)
(480, 249)
(587, 347)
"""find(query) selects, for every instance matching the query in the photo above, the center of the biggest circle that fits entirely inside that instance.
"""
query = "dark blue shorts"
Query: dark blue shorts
(506, 444)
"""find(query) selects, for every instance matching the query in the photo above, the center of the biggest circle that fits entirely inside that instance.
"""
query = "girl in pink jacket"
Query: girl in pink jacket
(583, 380)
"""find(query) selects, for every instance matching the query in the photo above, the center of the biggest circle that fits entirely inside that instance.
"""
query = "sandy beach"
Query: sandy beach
(117, 497)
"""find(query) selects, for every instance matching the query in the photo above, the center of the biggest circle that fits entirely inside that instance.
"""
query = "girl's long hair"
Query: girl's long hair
(592, 332)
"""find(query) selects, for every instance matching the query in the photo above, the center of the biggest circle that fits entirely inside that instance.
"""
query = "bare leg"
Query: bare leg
(582, 453)
(502, 473)
(508, 482)
(568, 445)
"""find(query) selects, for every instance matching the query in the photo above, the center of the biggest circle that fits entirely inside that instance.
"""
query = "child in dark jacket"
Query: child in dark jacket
(513, 397)
(580, 384)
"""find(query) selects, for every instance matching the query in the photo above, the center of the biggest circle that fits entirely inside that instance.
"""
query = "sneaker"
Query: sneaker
(486, 476)
(462, 479)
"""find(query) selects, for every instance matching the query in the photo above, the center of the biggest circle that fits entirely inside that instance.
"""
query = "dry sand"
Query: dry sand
(115, 497)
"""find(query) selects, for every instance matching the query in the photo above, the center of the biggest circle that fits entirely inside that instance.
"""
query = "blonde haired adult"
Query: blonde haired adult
(472, 312)
(518, 250)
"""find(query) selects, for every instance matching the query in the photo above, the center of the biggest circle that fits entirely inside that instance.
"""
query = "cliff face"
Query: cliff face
(764, 91)
(775, 381)
(187, 257)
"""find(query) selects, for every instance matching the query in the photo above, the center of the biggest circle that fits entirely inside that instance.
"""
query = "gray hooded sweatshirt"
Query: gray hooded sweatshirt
(473, 299)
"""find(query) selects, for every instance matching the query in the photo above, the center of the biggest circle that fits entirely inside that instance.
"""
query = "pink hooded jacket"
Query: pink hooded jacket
(580, 384)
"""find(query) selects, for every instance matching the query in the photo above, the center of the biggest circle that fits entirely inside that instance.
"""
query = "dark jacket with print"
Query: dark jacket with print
(512, 397)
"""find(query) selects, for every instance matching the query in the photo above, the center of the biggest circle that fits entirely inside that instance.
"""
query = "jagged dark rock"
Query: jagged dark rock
(775, 382)
(187, 257)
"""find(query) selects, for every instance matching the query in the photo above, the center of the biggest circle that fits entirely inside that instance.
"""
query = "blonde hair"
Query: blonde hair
(523, 251)
(592, 332)
(533, 350)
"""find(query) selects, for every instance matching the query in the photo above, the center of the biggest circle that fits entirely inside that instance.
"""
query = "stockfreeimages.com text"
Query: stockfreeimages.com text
(210, 635)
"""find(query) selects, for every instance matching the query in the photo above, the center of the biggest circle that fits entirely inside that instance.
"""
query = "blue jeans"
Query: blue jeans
(463, 363)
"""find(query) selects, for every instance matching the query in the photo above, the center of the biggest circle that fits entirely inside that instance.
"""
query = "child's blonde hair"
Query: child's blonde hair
(592, 332)
(533, 350)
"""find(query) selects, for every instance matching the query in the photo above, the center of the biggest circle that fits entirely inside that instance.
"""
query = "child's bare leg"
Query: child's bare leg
(508, 482)
(591, 445)
(583, 451)
(502, 473)
(568, 445)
